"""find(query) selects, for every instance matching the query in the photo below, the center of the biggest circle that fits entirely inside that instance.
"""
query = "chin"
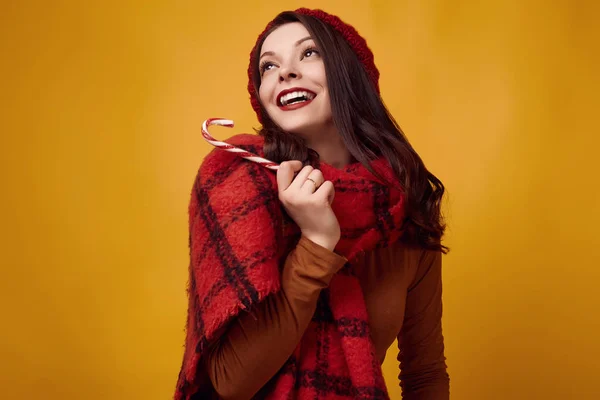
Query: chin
(304, 130)
(292, 123)
(304, 126)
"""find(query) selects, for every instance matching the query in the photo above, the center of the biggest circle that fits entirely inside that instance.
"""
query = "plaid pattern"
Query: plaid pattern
(240, 236)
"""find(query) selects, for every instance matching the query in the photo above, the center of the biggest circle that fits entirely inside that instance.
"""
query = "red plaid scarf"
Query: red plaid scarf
(240, 236)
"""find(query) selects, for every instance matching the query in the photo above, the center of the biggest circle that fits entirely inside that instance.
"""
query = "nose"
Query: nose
(288, 72)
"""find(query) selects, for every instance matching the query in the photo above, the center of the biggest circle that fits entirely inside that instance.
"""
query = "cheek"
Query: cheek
(317, 74)
(261, 93)
(265, 91)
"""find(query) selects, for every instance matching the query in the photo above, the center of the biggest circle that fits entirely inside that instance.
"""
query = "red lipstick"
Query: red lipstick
(294, 106)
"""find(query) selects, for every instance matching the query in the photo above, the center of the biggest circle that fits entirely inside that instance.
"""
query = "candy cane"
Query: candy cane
(227, 147)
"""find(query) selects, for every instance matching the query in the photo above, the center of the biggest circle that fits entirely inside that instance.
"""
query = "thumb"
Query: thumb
(295, 164)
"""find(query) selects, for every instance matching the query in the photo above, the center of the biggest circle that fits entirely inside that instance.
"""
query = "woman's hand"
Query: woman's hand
(308, 203)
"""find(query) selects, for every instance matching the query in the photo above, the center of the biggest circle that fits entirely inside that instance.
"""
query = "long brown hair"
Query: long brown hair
(367, 129)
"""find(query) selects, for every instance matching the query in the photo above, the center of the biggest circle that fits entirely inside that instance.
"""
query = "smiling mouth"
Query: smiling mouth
(296, 97)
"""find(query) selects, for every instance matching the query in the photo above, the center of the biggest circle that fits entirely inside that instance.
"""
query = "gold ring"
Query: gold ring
(315, 183)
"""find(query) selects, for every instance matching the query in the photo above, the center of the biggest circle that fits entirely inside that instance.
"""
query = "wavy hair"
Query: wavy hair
(367, 129)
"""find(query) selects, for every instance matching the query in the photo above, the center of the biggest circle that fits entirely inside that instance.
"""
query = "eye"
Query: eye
(265, 66)
(309, 52)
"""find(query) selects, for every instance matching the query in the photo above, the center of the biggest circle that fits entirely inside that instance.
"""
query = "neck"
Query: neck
(331, 149)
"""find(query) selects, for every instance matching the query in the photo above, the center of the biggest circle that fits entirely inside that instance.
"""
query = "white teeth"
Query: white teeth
(283, 100)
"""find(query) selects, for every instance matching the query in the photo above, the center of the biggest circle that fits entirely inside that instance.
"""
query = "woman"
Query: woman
(305, 303)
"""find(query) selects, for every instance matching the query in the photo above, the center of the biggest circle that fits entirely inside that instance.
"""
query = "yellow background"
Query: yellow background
(100, 140)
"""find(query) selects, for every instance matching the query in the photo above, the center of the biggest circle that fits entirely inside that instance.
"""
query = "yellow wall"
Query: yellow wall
(100, 133)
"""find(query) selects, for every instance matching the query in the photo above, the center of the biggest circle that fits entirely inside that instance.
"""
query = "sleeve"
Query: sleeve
(257, 344)
(423, 368)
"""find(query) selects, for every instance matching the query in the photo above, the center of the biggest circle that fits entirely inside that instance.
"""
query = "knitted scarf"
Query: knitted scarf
(239, 238)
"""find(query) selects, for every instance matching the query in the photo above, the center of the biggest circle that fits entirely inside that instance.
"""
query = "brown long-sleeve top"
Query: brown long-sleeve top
(402, 288)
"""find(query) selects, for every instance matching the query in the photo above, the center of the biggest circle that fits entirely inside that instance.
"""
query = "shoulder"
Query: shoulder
(245, 141)
(416, 261)
(224, 173)
(414, 254)
(220, 161)
(408, 255)
(396, 259)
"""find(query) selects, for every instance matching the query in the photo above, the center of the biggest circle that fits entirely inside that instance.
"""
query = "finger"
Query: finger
(310, 186)
(317, 176)
(285, 174)
(301, 178)
(327, 191)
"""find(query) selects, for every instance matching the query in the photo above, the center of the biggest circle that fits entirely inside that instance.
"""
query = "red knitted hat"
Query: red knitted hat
(357, 42)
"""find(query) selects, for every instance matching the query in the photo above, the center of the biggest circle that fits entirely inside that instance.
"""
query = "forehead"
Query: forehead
(284, 37)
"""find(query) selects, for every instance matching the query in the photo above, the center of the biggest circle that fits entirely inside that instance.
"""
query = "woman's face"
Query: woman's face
(293, 86)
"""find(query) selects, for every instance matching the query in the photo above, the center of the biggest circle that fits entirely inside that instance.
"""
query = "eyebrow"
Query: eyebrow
(270, 53)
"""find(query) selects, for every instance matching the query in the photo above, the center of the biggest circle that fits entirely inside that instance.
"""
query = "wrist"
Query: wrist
(323, 241)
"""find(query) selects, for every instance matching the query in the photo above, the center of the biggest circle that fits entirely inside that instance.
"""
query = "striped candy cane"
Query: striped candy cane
(227, 147)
